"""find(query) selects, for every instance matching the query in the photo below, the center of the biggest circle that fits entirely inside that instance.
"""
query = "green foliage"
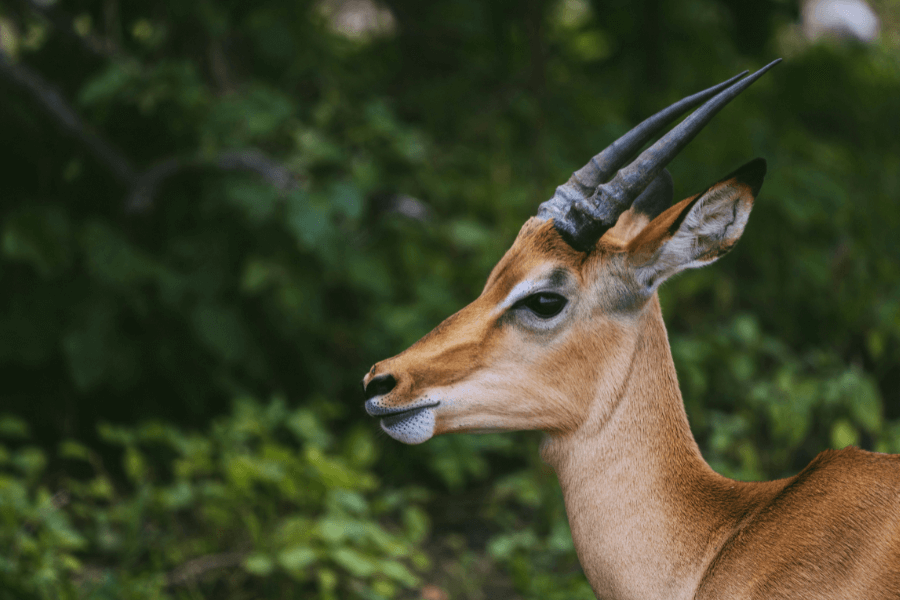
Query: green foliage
(414, 151)
(756, 425)
(267, 494)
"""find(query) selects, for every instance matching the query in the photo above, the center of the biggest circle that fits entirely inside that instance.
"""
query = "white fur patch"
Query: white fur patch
(414, 429)
(712, 226)
(521, 290)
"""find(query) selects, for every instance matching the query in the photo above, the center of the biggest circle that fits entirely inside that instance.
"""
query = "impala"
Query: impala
(567, 337)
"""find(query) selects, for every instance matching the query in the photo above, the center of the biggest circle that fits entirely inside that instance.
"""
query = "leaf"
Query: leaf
(352, 502)
(221, 330)
(359, 447)
(415, 520)
(101, 488)
(296, 558)
(257, 200)
(308, 428)
(134, 464)
(469, 235)
(590, 45)
(39, 236)
(107, 84)
(346, 200)
(295, 531)
(113, 434)
(370, 275)
(31, 324)
(398, 572)
(13, 427)
(354, 562)
(74, 450)
(178, 496)
(256, 112)
(29, 460)
(865, 402)
(335, 528)
(317, 148)
(334, 474)
(309, 222)
(94, 349)
(260, 274)
(843, 434)
(560, 539)
(58, 524)
(114, 260)
(502, 547)
(259, 564)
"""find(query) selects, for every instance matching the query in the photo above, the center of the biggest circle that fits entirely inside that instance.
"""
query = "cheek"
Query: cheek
(584, 369)
(534, 382)
(553, 383)
(513, 392)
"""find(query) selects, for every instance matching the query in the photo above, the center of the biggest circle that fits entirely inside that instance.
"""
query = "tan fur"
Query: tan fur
(649, 517)
(630, 224)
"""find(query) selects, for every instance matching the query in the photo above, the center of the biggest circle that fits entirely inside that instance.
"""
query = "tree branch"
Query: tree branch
(51, 100)
(142, 186)
(142, 193)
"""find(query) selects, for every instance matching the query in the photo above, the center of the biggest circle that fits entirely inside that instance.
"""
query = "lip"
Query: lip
(393, 417)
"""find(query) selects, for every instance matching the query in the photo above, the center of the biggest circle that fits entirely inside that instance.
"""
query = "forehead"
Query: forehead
(537, 251)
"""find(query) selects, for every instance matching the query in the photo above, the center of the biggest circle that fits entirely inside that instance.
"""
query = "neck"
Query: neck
(647, 514)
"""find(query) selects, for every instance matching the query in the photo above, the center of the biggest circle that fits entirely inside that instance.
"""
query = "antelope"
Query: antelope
(567, 337)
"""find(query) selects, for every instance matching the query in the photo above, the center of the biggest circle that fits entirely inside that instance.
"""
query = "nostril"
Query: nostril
(380, 385)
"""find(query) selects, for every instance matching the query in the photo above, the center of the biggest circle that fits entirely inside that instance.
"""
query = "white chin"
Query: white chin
(413, 429)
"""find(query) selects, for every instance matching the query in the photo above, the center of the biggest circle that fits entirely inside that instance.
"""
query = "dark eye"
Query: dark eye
(545, 304)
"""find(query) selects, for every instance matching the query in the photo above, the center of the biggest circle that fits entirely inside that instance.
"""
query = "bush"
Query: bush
(266, 502)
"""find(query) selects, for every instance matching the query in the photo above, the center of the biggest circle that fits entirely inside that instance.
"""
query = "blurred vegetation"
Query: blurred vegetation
(210, 205)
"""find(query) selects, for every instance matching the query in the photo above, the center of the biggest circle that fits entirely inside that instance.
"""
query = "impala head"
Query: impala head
(553, 330)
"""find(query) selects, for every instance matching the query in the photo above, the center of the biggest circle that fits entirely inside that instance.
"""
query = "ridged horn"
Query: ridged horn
(584, 218)
(601, 167)
(583, 182)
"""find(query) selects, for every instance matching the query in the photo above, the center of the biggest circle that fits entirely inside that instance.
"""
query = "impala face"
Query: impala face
(552, 334)
(501, 363)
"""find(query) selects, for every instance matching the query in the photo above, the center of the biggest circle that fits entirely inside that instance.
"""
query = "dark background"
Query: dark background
(216, 215)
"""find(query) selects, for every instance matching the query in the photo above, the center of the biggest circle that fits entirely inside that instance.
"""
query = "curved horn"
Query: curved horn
(630, 181)
(588, 218)
(583, 182)
(601, 167)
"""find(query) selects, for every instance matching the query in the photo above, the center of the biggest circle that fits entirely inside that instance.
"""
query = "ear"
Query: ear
(697, 230)
(652, 201)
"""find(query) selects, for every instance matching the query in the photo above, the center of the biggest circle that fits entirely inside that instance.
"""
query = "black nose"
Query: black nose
(380, 385)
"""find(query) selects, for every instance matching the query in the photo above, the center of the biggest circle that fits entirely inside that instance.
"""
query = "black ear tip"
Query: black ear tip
(751, 174)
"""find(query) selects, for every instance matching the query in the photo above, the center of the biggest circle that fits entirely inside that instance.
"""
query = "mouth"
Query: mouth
(412, 425)
(389, 419)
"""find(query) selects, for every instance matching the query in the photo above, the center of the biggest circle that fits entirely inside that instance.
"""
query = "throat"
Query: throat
(647, 513)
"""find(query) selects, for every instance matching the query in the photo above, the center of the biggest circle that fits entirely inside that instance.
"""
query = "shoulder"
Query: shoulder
(833, 530)
(848, 473)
